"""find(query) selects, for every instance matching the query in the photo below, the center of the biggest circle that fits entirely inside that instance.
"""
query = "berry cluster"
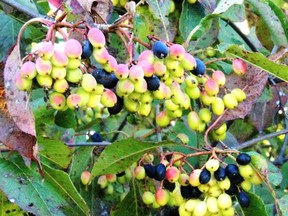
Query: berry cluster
(207, 191)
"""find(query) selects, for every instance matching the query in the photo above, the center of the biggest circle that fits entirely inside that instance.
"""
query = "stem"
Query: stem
(216, 60)
(121, 126)
(258, 139)
(78, 144)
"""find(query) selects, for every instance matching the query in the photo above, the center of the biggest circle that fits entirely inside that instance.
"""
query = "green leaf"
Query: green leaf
(224, 5)
(235, 13)
(54, 196)
(259, 60)
(121, 154)
(272, 21)
(192, 14)
(283, 204)
(66, 119)
(131, 205)
(256, 206)
(8, 208)
(274, 174)
(284, 171)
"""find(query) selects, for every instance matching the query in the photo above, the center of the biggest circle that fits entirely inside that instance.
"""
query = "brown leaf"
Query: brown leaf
(17, 101)
(100, 10)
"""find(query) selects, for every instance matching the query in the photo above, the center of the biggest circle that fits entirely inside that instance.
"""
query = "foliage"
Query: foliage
(58, 146)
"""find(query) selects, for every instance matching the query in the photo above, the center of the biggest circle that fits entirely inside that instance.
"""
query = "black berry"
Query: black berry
(220, 174)
(87, 49)
(243, 159)
(153, 83)
(120, 174)
(117, 107)
(200, 68)
(243, 199)
(232, 171)
(108, 80)
(232, 190)
(160, 172)
(150, 170)
(96, 137)
(168, 185)
(205, 176)
(160, 49)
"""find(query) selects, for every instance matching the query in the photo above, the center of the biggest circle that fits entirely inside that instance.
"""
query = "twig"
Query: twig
(258, 139)
(78, 144)
(121, 126)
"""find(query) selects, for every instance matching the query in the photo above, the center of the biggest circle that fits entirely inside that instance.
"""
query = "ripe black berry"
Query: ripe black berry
(160, 49)
(186, 191)
(243, 199)
(168, 185)
(232, 190)
(87, 49)
(200, 68)
(243, 159)
(149, 170)
(108, 80)
(236, 179)
(117, 107)
(153, 83)
(232, 171)
(120, 174)
(196, 193)
(160, 172)
(220, 174)
(96, 137)
(205, 176)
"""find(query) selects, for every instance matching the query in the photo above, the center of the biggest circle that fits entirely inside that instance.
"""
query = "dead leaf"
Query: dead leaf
(100, 10)
(17, 101)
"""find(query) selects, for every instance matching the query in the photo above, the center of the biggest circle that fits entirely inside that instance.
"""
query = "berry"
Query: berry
(45, 81)
(172, 174)
(188, 62)
(74, 75)
(139, 172)
(73, 63)
(23, 84)
(230, 101)
(96, 137)
(205, 115)
(212, 165)
(243, 199)
(102, 181)
(243, 159)
(221, 130)
(117, 107)
(218, 106)
(183, 137)
(45, 50)
(232, 190)
(146, 55)
(193, 93)
(88, 82)
(190, 204)
(87, 49)
(177, 52)
(232, 170)
(124, 87)
(111, 64)
(211, 87)
(162, 119)
(210, 51)
(212, 205)
(59, 59)
(58, 73)
(108, 98)
(60, 85)
(148, 197)
(160, 49)
(193, 120)
(85, 177)
(224, 201)
(239, 67)
(246, 171)
(159, 68)
(111, 178)
(168, 185)
(28, 70)
(239, 94)
(219, 77)
(96, 38)
(43, 66)
(57, 101)
(147, 68)
(200, 208)
(205, 176)
(73, 101)
(160, 172)
(122, 71)
(150, 170)
(220, 174)
(108, 80)
(194, 177)
(200, 68)
(162, 197)
(153, 83)
(73, 48)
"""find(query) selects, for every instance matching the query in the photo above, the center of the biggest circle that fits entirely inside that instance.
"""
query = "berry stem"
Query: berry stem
(217, 60)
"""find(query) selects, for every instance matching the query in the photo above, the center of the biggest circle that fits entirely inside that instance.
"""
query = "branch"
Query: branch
(258, 139)
(23, 8)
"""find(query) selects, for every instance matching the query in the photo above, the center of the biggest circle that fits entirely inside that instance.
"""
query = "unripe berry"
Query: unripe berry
(221, 130)
(85, 177)
(246, 185)
(193, 93)
(246, 171)
(73, 63)
(23, 84)
(194, 177)
(45, 50)
(122, 71)
(96, 38)
(110, 189)
(162, 119)
(193, 120)
(57, 101)
(88, 82)
(146, 55)
(188, 62)
(224, 201)
(124, 87)
(205, 115)
(239, 94)
(219, 77)
(211, 87)
(183, 179)
(140, 86)
(73, 101)
(147, 68)
(183, 137)
(210, 52)
(162, 92)
(136, 72)
(172, 174)
(200, 208)
(73, 48)
(182, 211)
(111, 64)
(59, 59)
(58, 73)
(101, 55)
(130, 105)
(108, 98)
(43, 67)
(45, 81)
(148, 197)
(28, 70)
(256, 179)
(170, 105)
(214, 191)
(162, 197)
(102, 181)
(228, 212)
(212, 205)
(204, 188)
(191, 81)
(218, 106)
(74, 75)
(139, 172)
(230, 101)
(160, 49)
(177, 52)
(159, 68)
(144, 109)
(84, 95)
(94, 100)
(212, 165)
(239, 67)
(190, 204)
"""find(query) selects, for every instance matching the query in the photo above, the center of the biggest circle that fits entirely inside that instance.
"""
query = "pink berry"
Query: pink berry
(73, 48)
(59, 59)
(146, 55)
(136, 72)
(96, 38)
(172, 174)
(162, 197)
(85, 177)
(43, 66)
(147, 68)
(239, 67)
(23, 84)
(101, 55)
(108, 98)
(219, 77)
(177, 52)
(45, 50)
(188, 62)
(57, 101)
(28, 70)
(111, 64)
(211, 87)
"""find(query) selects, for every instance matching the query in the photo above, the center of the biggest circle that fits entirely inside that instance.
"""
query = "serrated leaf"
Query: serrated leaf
(192, 14)
(272, 21)
(55, 196)
(224, 5)
(256, 206)
(260, 61)
(121, 154)
(131, 205)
